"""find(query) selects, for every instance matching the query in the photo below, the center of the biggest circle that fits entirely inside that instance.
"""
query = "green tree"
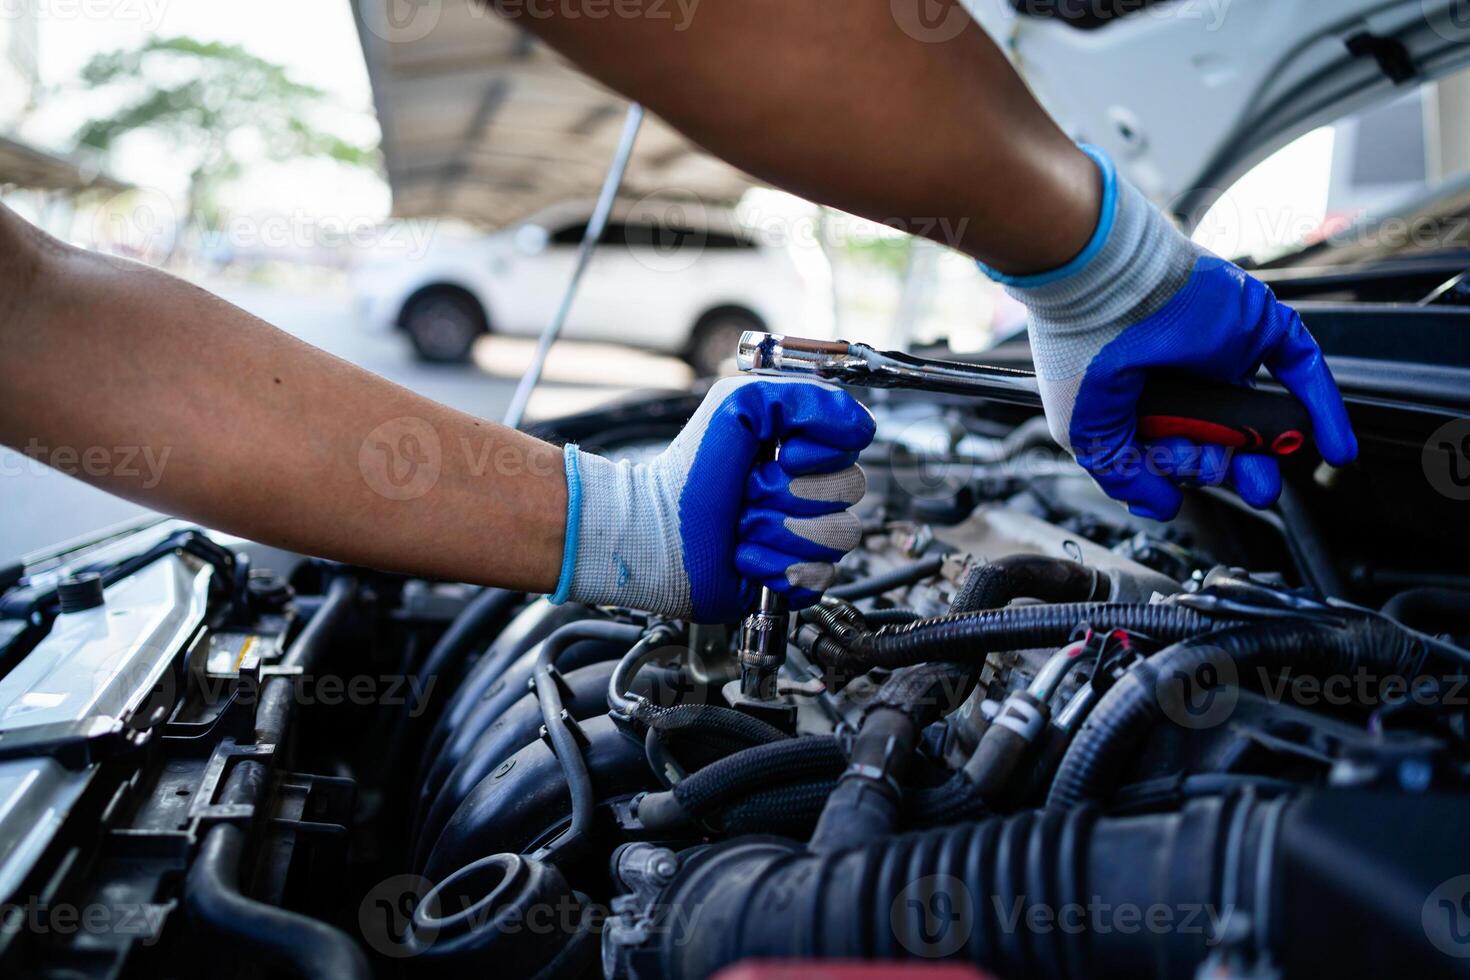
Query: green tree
(216, 104)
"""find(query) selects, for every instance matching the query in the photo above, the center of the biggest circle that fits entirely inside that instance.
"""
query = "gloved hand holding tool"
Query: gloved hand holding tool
(1146, 349)
(700, 530)
(1141, 298)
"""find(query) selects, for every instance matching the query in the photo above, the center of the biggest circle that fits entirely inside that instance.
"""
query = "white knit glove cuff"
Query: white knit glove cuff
(1134, 264)
(628, 551)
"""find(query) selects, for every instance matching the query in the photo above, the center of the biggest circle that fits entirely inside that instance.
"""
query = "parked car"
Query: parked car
(682, 280)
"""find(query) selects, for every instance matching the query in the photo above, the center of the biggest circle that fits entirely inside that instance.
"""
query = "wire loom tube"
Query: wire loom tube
(966, 636)
(1130, 709)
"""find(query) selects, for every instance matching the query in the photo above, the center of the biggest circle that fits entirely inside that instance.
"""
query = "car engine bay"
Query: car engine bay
(1025, 731)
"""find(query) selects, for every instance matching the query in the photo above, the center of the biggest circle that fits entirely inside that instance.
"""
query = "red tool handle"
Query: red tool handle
(1248, 419)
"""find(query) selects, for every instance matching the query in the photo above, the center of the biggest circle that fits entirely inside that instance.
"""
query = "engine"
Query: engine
(1025, 732)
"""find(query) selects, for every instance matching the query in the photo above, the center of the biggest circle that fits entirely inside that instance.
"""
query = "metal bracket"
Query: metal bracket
(225, 754)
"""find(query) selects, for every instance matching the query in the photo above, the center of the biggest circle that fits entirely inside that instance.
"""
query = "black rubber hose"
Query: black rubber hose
(300, 945)
(971, 636)
(712, 718)
(491, 707)
(737, 776)
(276, 699)
(651, 646)
(998, 583)
(489, 672)
(925, 692)
(1098, 757)
(789, 761)
(869, 588)
(951, 802)
(789, 810)
(1434, 610)
(864, 806)
(559, 726)
(515, 728)
(723, 729)
(472, 627)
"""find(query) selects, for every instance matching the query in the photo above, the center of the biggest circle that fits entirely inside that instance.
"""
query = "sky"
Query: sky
(315, 40)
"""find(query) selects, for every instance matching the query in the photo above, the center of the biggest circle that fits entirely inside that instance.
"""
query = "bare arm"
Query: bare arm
(243, 427)
(840, 102)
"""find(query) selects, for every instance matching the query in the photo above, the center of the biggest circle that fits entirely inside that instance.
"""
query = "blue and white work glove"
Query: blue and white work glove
(1142, 297)
(696, 532)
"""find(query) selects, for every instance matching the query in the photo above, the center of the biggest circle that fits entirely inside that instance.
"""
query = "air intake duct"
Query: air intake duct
(1249, 882)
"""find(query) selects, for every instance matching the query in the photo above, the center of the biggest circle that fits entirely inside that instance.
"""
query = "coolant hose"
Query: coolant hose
(997, 583)
(971, 636)
(864, 806)
(290, 941)
(1107, 741)
(303, 946)
(734, 777)
(276, 700)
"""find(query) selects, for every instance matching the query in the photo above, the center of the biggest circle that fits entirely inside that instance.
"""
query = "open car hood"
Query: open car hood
(1187, 95)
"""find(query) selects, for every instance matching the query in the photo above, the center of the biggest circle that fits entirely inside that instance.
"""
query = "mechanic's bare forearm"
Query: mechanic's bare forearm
(836, 101)
(160, 392)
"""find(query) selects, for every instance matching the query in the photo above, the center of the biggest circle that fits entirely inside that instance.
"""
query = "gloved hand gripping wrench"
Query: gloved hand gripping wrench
(1248, 419)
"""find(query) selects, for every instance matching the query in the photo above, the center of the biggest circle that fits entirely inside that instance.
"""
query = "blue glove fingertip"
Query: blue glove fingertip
(1257, 479)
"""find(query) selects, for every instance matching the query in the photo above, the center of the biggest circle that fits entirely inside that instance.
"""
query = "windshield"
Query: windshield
(1372, 185)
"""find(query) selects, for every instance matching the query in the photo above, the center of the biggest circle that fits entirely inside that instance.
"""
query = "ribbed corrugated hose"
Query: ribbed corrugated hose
(971, 636)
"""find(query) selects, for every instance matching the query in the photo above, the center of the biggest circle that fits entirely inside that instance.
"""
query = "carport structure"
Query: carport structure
(482, 122)
(26, 166)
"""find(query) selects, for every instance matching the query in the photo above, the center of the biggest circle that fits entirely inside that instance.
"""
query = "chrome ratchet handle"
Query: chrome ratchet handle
(861, 366)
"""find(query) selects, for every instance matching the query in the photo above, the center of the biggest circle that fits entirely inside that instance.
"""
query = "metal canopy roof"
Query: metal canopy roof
(26, 166)
(483, 123)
